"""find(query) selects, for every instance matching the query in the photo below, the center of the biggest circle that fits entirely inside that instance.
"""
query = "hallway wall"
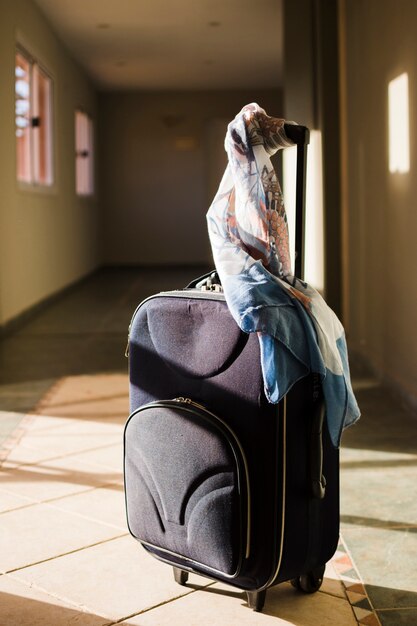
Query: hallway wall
(381, 43)
(158, 170)
(49, 236)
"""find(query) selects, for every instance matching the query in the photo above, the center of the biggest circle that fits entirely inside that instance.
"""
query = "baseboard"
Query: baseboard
(407, 398)
(363, 366)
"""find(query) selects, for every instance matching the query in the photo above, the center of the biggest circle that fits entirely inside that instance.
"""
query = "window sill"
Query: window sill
(49, 190)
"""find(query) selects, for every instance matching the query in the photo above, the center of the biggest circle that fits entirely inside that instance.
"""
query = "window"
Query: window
(399, 141)
(84, 179)
(33, 119)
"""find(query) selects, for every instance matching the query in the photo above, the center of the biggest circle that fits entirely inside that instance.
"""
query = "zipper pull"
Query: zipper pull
(189, 401)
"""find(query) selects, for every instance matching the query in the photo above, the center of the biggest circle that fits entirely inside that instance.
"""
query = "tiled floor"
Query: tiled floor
(379, 502)
(65, 554)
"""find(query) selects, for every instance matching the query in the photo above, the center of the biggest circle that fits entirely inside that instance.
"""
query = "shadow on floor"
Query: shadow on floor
(50, 474)
(17, 610)
(377, 523)
(84, 331)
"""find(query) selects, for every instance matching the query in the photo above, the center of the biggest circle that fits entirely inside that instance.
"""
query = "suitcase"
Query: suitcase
(217, 480)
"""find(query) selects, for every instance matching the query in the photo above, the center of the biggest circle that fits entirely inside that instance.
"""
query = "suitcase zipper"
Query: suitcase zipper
(284, 480)
(283, 500)
(188, 401)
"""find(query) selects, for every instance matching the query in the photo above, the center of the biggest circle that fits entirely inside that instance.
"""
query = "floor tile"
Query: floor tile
(46, 422)
(353, 597)
(332, 583)
(221, 605)
(106, 505)
(12, 434)
(103, 398)
(360, 614)
(21, 605)
(93, 474)
(36, 358)
(387, 477)
(8, 422)
(82, 428)
(54, 479)
(370, 620)
(10, 501)
(404, 617)
(116, 579)
(22, 455)
(386, 424)
(21, 396)
(70, 439)
(387, 563)
(384, 597)
(110, 456)
(356, 588)
(48, 437)
(42, 532)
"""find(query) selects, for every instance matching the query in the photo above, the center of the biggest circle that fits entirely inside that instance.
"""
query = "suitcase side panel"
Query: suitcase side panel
(311, 524)
(234, 390)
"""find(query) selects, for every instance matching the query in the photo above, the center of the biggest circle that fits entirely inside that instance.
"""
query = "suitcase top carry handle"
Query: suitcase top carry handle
(300, 135)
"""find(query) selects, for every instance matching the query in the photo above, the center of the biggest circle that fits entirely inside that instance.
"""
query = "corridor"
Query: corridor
(113, 123)
(64, 395)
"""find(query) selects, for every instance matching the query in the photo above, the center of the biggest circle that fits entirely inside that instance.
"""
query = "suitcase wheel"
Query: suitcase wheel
(256, 599)
(180, 576)
(310, 582)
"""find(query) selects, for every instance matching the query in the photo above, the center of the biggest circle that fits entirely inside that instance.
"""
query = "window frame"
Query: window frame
(36, 182)
(84, 176)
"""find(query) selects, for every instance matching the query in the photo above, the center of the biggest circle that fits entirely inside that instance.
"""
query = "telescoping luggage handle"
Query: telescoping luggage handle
(300, 136)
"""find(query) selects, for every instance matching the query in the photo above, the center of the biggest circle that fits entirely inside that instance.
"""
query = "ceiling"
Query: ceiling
(172, 44)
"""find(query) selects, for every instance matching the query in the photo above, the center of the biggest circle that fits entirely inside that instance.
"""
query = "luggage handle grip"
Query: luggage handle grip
(300, 135)
(206, 282)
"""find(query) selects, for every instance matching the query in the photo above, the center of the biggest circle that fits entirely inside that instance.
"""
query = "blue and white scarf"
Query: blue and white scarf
(298, 332)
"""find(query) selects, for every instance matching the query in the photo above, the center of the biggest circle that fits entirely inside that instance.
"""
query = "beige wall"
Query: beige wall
(48, 239)
(381, 43)
(300, 88)
(154, 194)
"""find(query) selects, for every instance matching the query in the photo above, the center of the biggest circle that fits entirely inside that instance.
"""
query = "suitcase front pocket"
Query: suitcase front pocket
(186, 485)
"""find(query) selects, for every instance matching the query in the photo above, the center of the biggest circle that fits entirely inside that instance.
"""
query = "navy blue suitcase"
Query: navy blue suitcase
(217, 480)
